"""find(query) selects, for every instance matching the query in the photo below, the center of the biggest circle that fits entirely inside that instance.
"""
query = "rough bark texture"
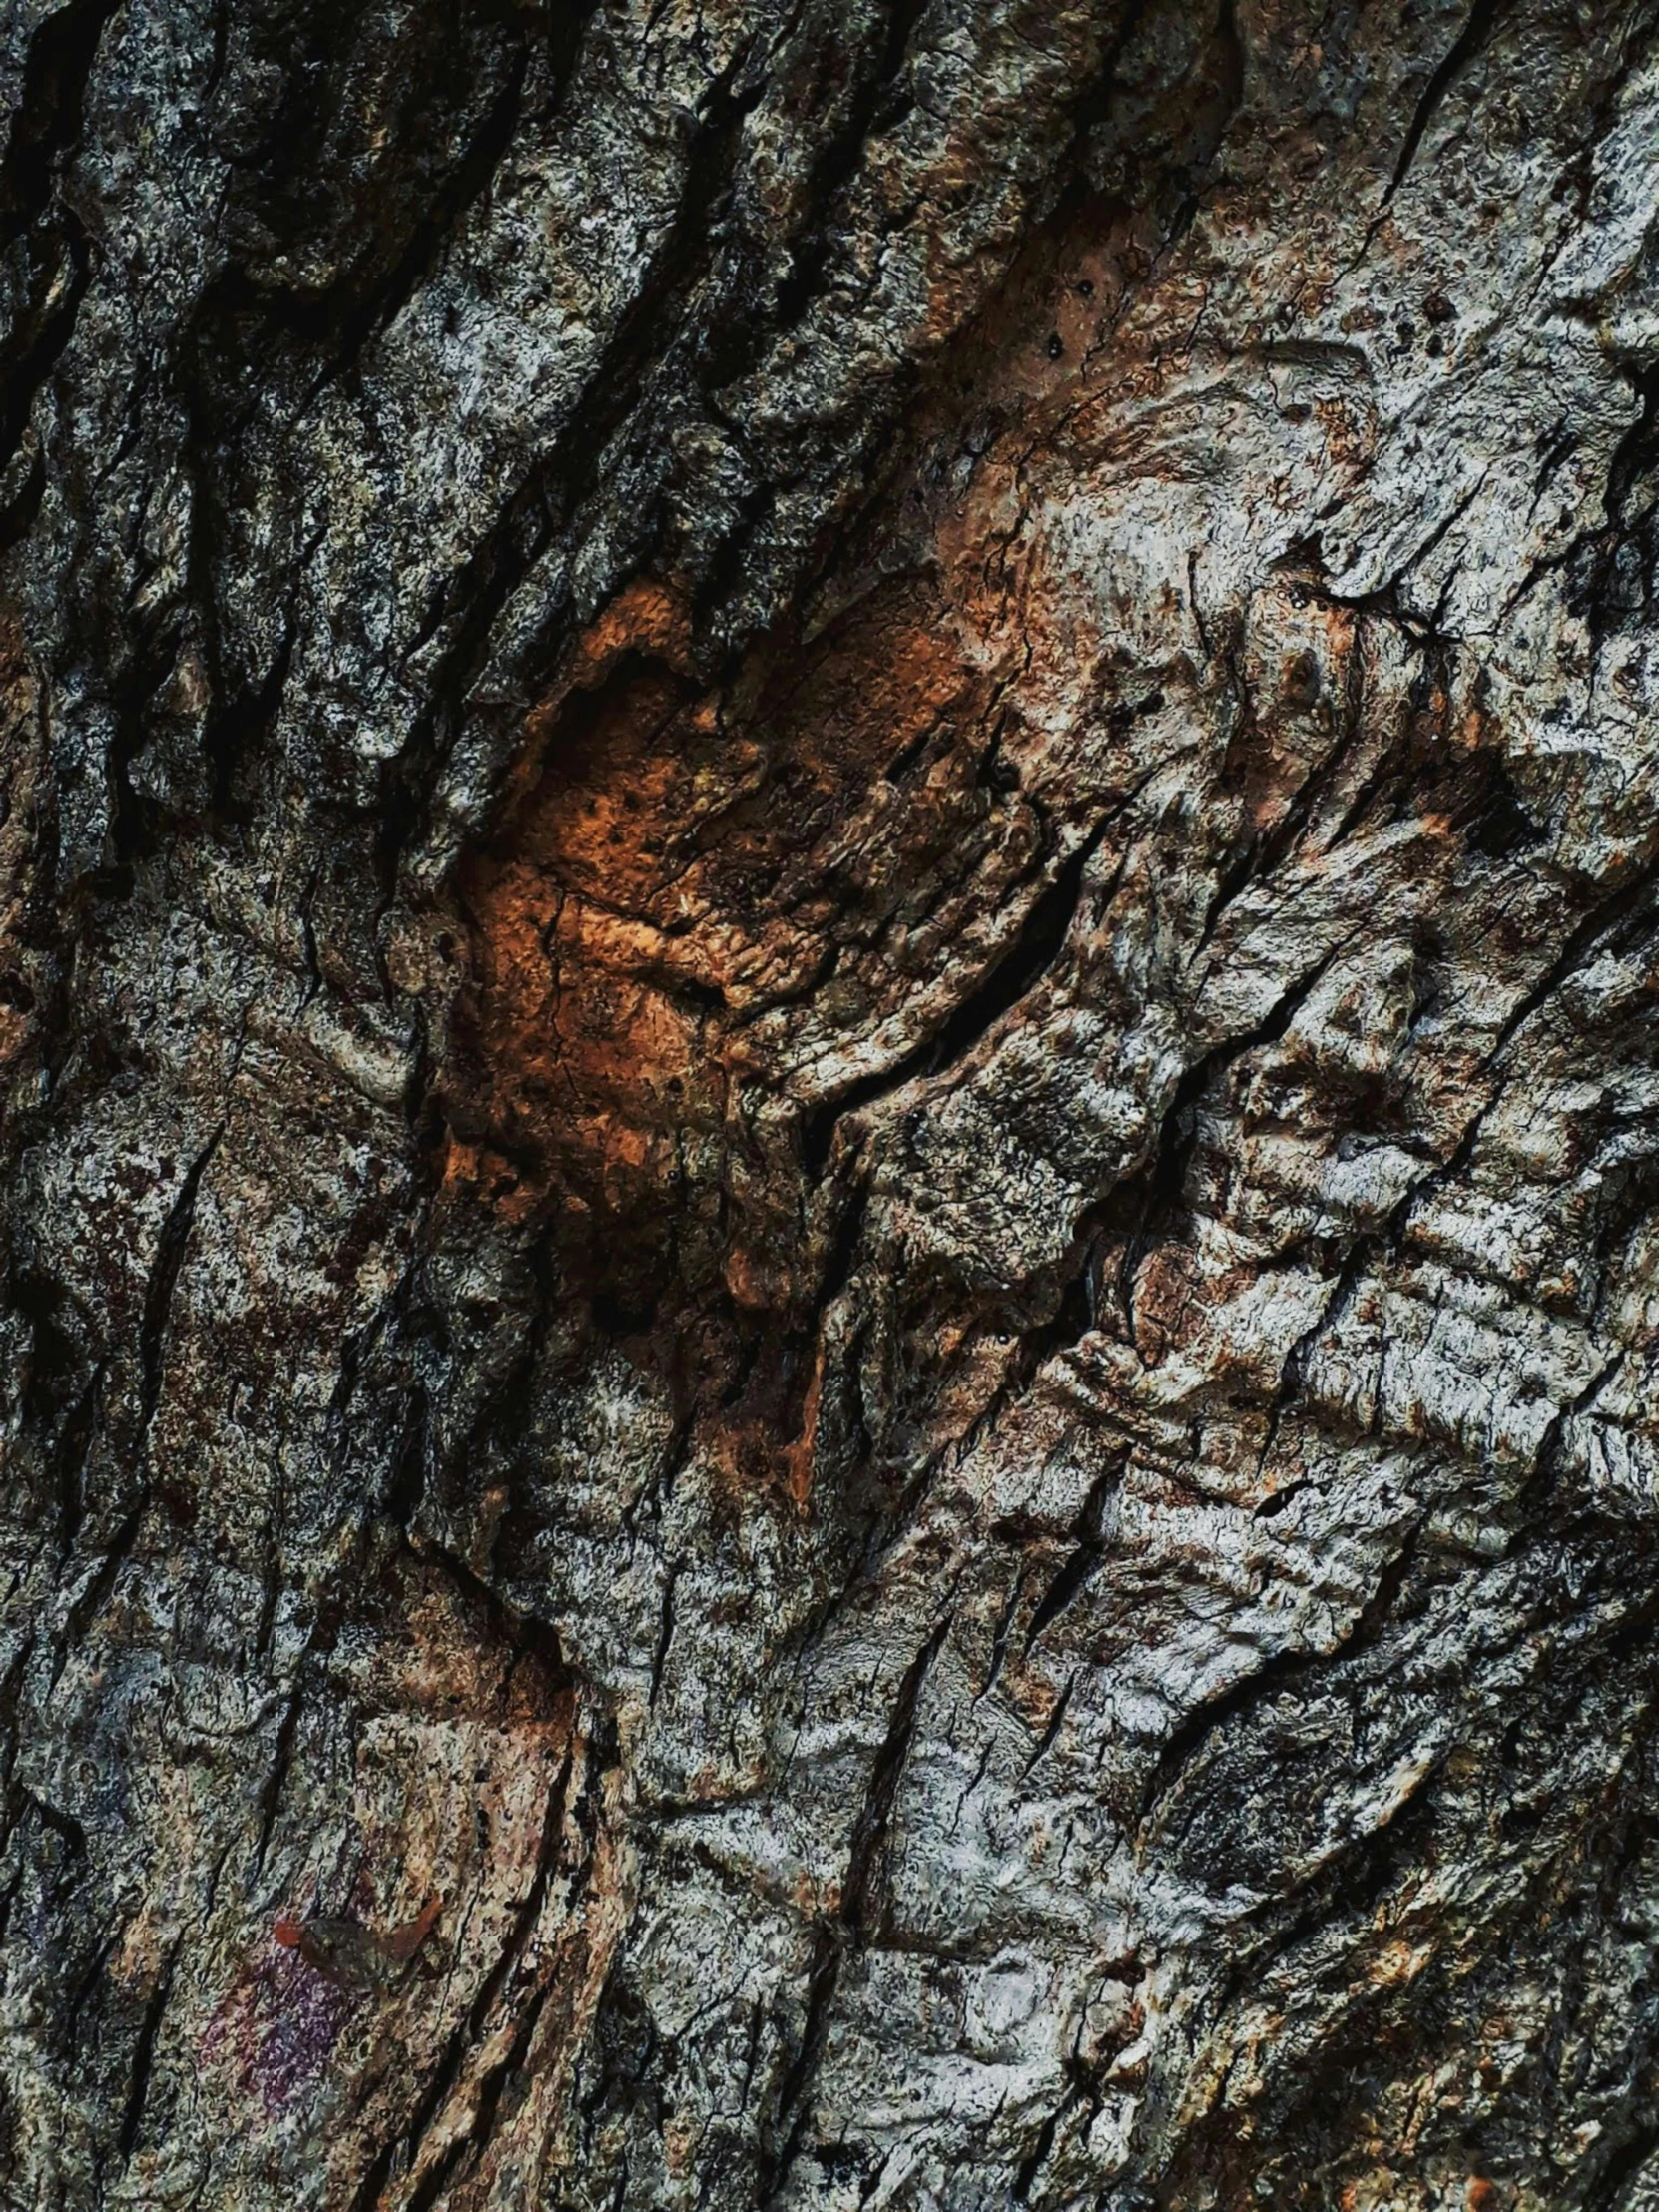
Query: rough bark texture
(830, 860)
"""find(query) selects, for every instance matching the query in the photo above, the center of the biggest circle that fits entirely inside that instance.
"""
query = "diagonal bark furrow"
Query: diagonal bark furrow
(877, 105)
(1038, 944)
(1481, 22)
(1088, 1533)
(550, 497)
(1162, 1181)
(321, 1644)
(346, 317)
(46, 123)
(469, 2148)
(1046, 1741)
(476, 2022)
(1278, 1672)
(144, 2055)
(163, 1278)
(1025, 2174)
(851, 1928)
(96, 1592)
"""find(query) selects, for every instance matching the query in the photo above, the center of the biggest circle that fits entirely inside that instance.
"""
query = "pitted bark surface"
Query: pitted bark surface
(828, 871)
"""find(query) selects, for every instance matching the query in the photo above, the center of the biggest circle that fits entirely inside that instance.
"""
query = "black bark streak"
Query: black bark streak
(282, 1759)
(1089, 1532)
(1277, 1673)
(1483, 20)
(850, 1930)
(90, 1604)
(1163, 1180)
(665, 1631)
(468, 2149)
(143, 2053)
(27, 358)
(69, 1461)
(526, 1634)
(163, 1277)
(46, 123)
(837, 164)
(319, 1646)
(1037, 944)
(46, 128)
(1045, 1742)
(1037, 2158)
(1294, 1368)
(365, 319)
(1630, 905)
(467, 2035)
(553, 491)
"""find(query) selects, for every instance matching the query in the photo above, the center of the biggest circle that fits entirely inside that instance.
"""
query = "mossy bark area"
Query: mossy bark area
(830, 887)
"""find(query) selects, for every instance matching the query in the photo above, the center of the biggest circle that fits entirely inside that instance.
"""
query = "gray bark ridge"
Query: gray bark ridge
(827, 1084)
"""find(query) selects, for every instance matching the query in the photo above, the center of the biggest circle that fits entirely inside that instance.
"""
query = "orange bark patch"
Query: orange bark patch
(679, 861)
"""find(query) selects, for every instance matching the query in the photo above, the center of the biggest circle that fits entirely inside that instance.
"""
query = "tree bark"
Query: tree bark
(831, 1119)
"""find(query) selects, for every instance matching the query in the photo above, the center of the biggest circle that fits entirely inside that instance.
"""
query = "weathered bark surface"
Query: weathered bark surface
(829, 855)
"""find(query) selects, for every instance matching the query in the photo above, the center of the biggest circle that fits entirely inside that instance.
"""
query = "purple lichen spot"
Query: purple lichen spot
(278, 2026)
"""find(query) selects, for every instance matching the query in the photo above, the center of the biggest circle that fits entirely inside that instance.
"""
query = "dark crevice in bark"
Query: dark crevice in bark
(1092, 107)
(69, 1461)
(17, 514)
(833, 1941)
(1621, 2168)
(1037, 944)
(363, 318)
(1088, 1534)
(1294, 1368)
(838, 162)
(1045, 1742)
(319, 1648)
(1276, 1674)
(46, 128)
(1263, 855)
(67, 1829)
(163, 1277)
(1481, 21)
(1025, 2175)
(549, 498)
(407, 1485)
(242, 727)
(448, 2074)
(27, 358)
(1002, 1631)
(1161, 1185)
(1626, 911)
(1225, 63)
(665, 1630)
(46, 123)
(144, 2054)
(468, 2148)
(94, 1597)
(527, 1634)
(282, 1759)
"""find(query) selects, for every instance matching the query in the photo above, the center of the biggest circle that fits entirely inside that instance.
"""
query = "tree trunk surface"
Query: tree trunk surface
(829, 850)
